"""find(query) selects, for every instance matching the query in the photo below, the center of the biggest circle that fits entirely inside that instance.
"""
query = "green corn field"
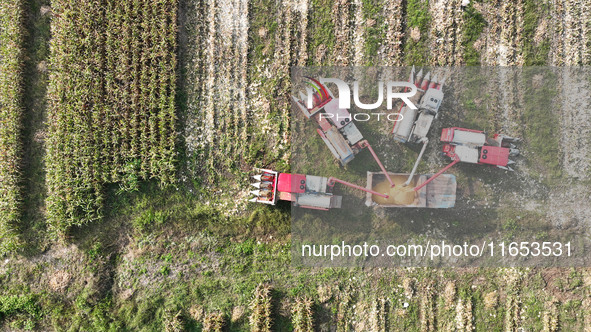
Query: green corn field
(112, 103)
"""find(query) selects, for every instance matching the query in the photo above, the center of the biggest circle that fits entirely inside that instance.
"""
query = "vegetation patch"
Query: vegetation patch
(322, 34)
(542, 131)
(418, 18)
(11, 114)
(375, 29)
(474, 24)
(535, 49)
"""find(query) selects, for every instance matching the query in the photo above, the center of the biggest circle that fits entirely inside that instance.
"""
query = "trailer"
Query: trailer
(440, 193)
(306, 191)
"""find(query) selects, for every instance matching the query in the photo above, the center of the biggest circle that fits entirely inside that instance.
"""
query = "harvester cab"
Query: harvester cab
(335, 125)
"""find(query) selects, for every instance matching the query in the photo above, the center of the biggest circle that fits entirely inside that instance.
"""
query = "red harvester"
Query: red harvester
(307, 191)
(472, 146)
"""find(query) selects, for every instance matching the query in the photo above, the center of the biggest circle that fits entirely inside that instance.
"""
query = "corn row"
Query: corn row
(260, 317)
(112, 102)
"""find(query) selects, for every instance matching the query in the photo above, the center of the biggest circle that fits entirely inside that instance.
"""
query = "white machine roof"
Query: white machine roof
(404, 126)
(423, 124)
(316, 183)
(315, 200)
(467, 154)
(352, 133)
(469, 138)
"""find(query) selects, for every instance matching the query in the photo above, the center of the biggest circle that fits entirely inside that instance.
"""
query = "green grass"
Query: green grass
(542, 131)
(11, 122)
(473, 27)
(321, 29)
(374, 34)
(417, 13)
(534, 54)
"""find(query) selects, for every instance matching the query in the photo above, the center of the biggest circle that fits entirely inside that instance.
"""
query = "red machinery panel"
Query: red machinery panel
(292, 183)
(494, 155)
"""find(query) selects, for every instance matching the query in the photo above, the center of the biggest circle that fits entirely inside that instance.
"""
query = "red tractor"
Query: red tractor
(472, 146)
(306, 191)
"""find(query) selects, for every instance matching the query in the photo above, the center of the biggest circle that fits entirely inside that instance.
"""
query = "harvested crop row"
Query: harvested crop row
(427, 308)
(111, 98)
(510, 53)
(11, 38)
(217, 120)
(446, 32)
(302, 315)
(341, 16)
(571, 33)
(260, 307)
(392, 55)
(503, 35)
